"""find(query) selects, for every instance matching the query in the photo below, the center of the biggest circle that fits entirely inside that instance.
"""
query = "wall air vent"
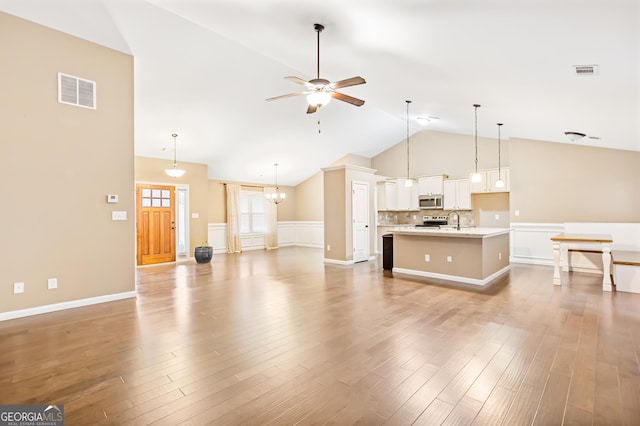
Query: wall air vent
(585, 69)
(76, 91)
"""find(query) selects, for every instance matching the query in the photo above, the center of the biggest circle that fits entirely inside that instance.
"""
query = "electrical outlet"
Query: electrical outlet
(427, 258)
(18, 288)
(516, 213)
(328, 247)
(499, 256)
(52, 283)
(497, 217)
(449, 259)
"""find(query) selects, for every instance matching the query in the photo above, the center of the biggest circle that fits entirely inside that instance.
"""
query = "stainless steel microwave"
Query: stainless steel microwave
(432, 202)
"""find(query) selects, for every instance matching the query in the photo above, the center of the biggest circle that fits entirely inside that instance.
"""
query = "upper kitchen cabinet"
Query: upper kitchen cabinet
(457, 194)
(429, 185)
(394, 195)
(489, 179)
(407, 196)
(387, 195)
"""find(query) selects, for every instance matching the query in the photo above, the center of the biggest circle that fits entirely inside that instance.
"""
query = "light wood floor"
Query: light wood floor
(277, 337)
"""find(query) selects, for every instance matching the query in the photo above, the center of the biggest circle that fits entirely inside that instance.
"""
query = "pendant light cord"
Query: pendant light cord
(499, 126)
(175, 156)
(408, 175)
(276, 164)
(476, 106)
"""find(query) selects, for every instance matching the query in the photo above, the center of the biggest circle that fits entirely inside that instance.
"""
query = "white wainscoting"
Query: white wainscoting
(531, 242)
(290, 233)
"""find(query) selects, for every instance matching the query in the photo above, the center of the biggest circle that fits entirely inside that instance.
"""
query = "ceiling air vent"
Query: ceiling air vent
(585, 69)
(76, 91)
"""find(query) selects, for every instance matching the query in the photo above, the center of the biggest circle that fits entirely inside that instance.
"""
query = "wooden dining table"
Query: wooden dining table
(599, 242)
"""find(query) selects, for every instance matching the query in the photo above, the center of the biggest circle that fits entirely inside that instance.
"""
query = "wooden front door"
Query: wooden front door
(156, 224)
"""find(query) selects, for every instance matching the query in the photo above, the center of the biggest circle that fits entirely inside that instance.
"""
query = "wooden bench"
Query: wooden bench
(626, 270)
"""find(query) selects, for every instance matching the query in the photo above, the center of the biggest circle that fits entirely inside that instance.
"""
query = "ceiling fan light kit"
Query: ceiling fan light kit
(319, 90)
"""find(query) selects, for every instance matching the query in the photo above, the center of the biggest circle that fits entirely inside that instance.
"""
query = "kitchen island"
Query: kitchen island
(468, 255)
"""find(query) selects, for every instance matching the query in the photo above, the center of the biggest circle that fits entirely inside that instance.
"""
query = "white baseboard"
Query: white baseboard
(4, 316)
(455, 278)
(338, 262)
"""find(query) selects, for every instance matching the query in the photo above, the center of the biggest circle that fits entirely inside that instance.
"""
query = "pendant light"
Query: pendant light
(499, 182)
(174, 171)
(276, 197)
(409, 181)
(476, 177)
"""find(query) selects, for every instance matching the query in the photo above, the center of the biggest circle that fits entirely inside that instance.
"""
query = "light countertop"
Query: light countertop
(451, 232)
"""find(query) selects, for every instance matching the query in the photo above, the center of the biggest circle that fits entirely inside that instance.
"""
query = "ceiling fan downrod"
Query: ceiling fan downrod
(318, 28)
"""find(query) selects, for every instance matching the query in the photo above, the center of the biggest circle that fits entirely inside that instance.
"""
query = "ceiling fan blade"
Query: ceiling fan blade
(286, 96)
(346, 98)
(311, 109)
(353, 81)
(300, 81)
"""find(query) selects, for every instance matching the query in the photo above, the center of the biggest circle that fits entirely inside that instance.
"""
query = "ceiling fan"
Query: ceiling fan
(320, 91)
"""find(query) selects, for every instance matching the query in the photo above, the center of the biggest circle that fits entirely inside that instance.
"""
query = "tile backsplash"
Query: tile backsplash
(415, 218)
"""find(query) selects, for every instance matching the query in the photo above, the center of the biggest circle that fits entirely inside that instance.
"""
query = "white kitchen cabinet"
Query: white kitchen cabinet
(429, 185)
(457, 194)
(387, 195)
(489, 179)
(394, 195)
(407, 197)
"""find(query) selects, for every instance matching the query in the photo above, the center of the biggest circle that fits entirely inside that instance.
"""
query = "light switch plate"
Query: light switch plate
(18, 288)
(118, 215)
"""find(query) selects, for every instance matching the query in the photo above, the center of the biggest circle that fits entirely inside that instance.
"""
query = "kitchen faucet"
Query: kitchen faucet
(457, 214)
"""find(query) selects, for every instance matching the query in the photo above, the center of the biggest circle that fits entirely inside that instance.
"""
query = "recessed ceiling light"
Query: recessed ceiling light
(426, 120)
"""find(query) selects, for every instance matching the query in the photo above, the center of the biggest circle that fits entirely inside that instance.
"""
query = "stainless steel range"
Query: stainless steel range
(433, 221)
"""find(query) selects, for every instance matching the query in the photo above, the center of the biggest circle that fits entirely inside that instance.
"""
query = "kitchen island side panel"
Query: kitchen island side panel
(466, 255)
(495, 253)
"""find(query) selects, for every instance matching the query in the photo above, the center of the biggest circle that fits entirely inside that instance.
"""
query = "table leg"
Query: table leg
(564, 257)
(606, 267)
(556, 263)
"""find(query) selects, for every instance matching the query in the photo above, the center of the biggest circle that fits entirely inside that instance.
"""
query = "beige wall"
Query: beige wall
(487, 206)
(338, 228)
(216, 199)
(151, 170)
(310, 199)
(436, 153)
(334, 214)
(354, 160)
(60, 162)
(550, 182)
(554, 182)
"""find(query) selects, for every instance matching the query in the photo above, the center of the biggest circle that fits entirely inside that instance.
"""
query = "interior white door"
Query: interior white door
(360, 219)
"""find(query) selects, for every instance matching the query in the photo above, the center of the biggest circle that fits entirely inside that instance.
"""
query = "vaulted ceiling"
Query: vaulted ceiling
(203, 69)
